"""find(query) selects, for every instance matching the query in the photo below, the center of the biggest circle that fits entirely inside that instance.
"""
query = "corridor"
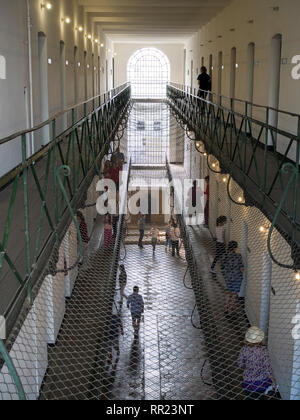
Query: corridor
(149, 201)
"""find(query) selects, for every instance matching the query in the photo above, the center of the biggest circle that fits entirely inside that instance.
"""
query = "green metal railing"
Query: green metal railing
(258, 146)
(38, 204)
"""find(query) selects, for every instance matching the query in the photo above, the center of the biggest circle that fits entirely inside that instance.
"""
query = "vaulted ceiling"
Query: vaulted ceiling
(125, 20)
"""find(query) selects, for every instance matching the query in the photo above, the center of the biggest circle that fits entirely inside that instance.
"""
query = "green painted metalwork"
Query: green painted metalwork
(252, 151)
(13, 372)
(66, 172)
(41, 205)
(294, 171)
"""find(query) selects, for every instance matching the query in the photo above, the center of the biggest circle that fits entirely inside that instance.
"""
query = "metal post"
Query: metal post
(26, 214)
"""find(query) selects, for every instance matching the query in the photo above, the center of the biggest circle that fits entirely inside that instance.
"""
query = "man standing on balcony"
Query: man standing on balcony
(204, 82)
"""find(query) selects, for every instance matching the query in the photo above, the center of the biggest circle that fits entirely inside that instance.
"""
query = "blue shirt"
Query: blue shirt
(142, 223)
(136, 303)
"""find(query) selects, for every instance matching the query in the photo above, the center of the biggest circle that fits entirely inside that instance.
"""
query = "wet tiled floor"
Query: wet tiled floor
(167, 360)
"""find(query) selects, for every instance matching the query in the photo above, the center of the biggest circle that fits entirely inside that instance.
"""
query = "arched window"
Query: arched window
(149, 72)
(2, 67)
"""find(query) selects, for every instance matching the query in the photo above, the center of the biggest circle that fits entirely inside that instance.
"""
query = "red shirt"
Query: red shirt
(84, 232)
(115, 175)
(207, 191)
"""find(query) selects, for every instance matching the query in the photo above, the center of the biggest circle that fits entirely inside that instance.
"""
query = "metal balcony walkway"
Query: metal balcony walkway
(172, 359)
(241, 139)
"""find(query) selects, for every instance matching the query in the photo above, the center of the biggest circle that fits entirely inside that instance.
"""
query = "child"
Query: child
(135, 303)
(221, 241)
(154, 233)
(233, 271)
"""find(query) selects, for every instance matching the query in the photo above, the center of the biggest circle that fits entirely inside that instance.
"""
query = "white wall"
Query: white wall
(174, 52)
(283, 292)
(14, 49)
(266, 24)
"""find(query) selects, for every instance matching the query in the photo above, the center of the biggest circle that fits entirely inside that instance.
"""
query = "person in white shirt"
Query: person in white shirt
(221, 241)
(154, 233)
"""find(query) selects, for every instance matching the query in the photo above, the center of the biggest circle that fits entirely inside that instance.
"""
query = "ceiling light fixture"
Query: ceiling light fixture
(47, 6)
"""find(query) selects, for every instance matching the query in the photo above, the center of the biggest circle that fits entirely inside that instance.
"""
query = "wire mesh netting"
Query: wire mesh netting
(81, 341)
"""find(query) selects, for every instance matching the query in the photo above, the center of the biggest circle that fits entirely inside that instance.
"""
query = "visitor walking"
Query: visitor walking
(221, 242)
(233, 272)
(154, 233)
(175, 237)
(142, 227)
(135, 303)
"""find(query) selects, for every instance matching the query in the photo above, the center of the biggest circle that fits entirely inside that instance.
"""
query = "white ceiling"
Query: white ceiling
(151, 20)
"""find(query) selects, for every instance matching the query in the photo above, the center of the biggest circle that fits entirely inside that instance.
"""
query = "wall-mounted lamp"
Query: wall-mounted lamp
(236, 66)
(264, 229)
(297, 276)
(225, 180)
(47, 6)
(49, 61)
(96, 40)
(78, 64)
(102, 45)
(80, 29)
(66, 20)
(89, 36)
(67, 62)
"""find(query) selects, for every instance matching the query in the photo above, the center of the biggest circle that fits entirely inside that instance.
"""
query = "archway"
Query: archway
(148, 72)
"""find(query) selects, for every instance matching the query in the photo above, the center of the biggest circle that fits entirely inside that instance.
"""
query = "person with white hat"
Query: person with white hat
(255, 361)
